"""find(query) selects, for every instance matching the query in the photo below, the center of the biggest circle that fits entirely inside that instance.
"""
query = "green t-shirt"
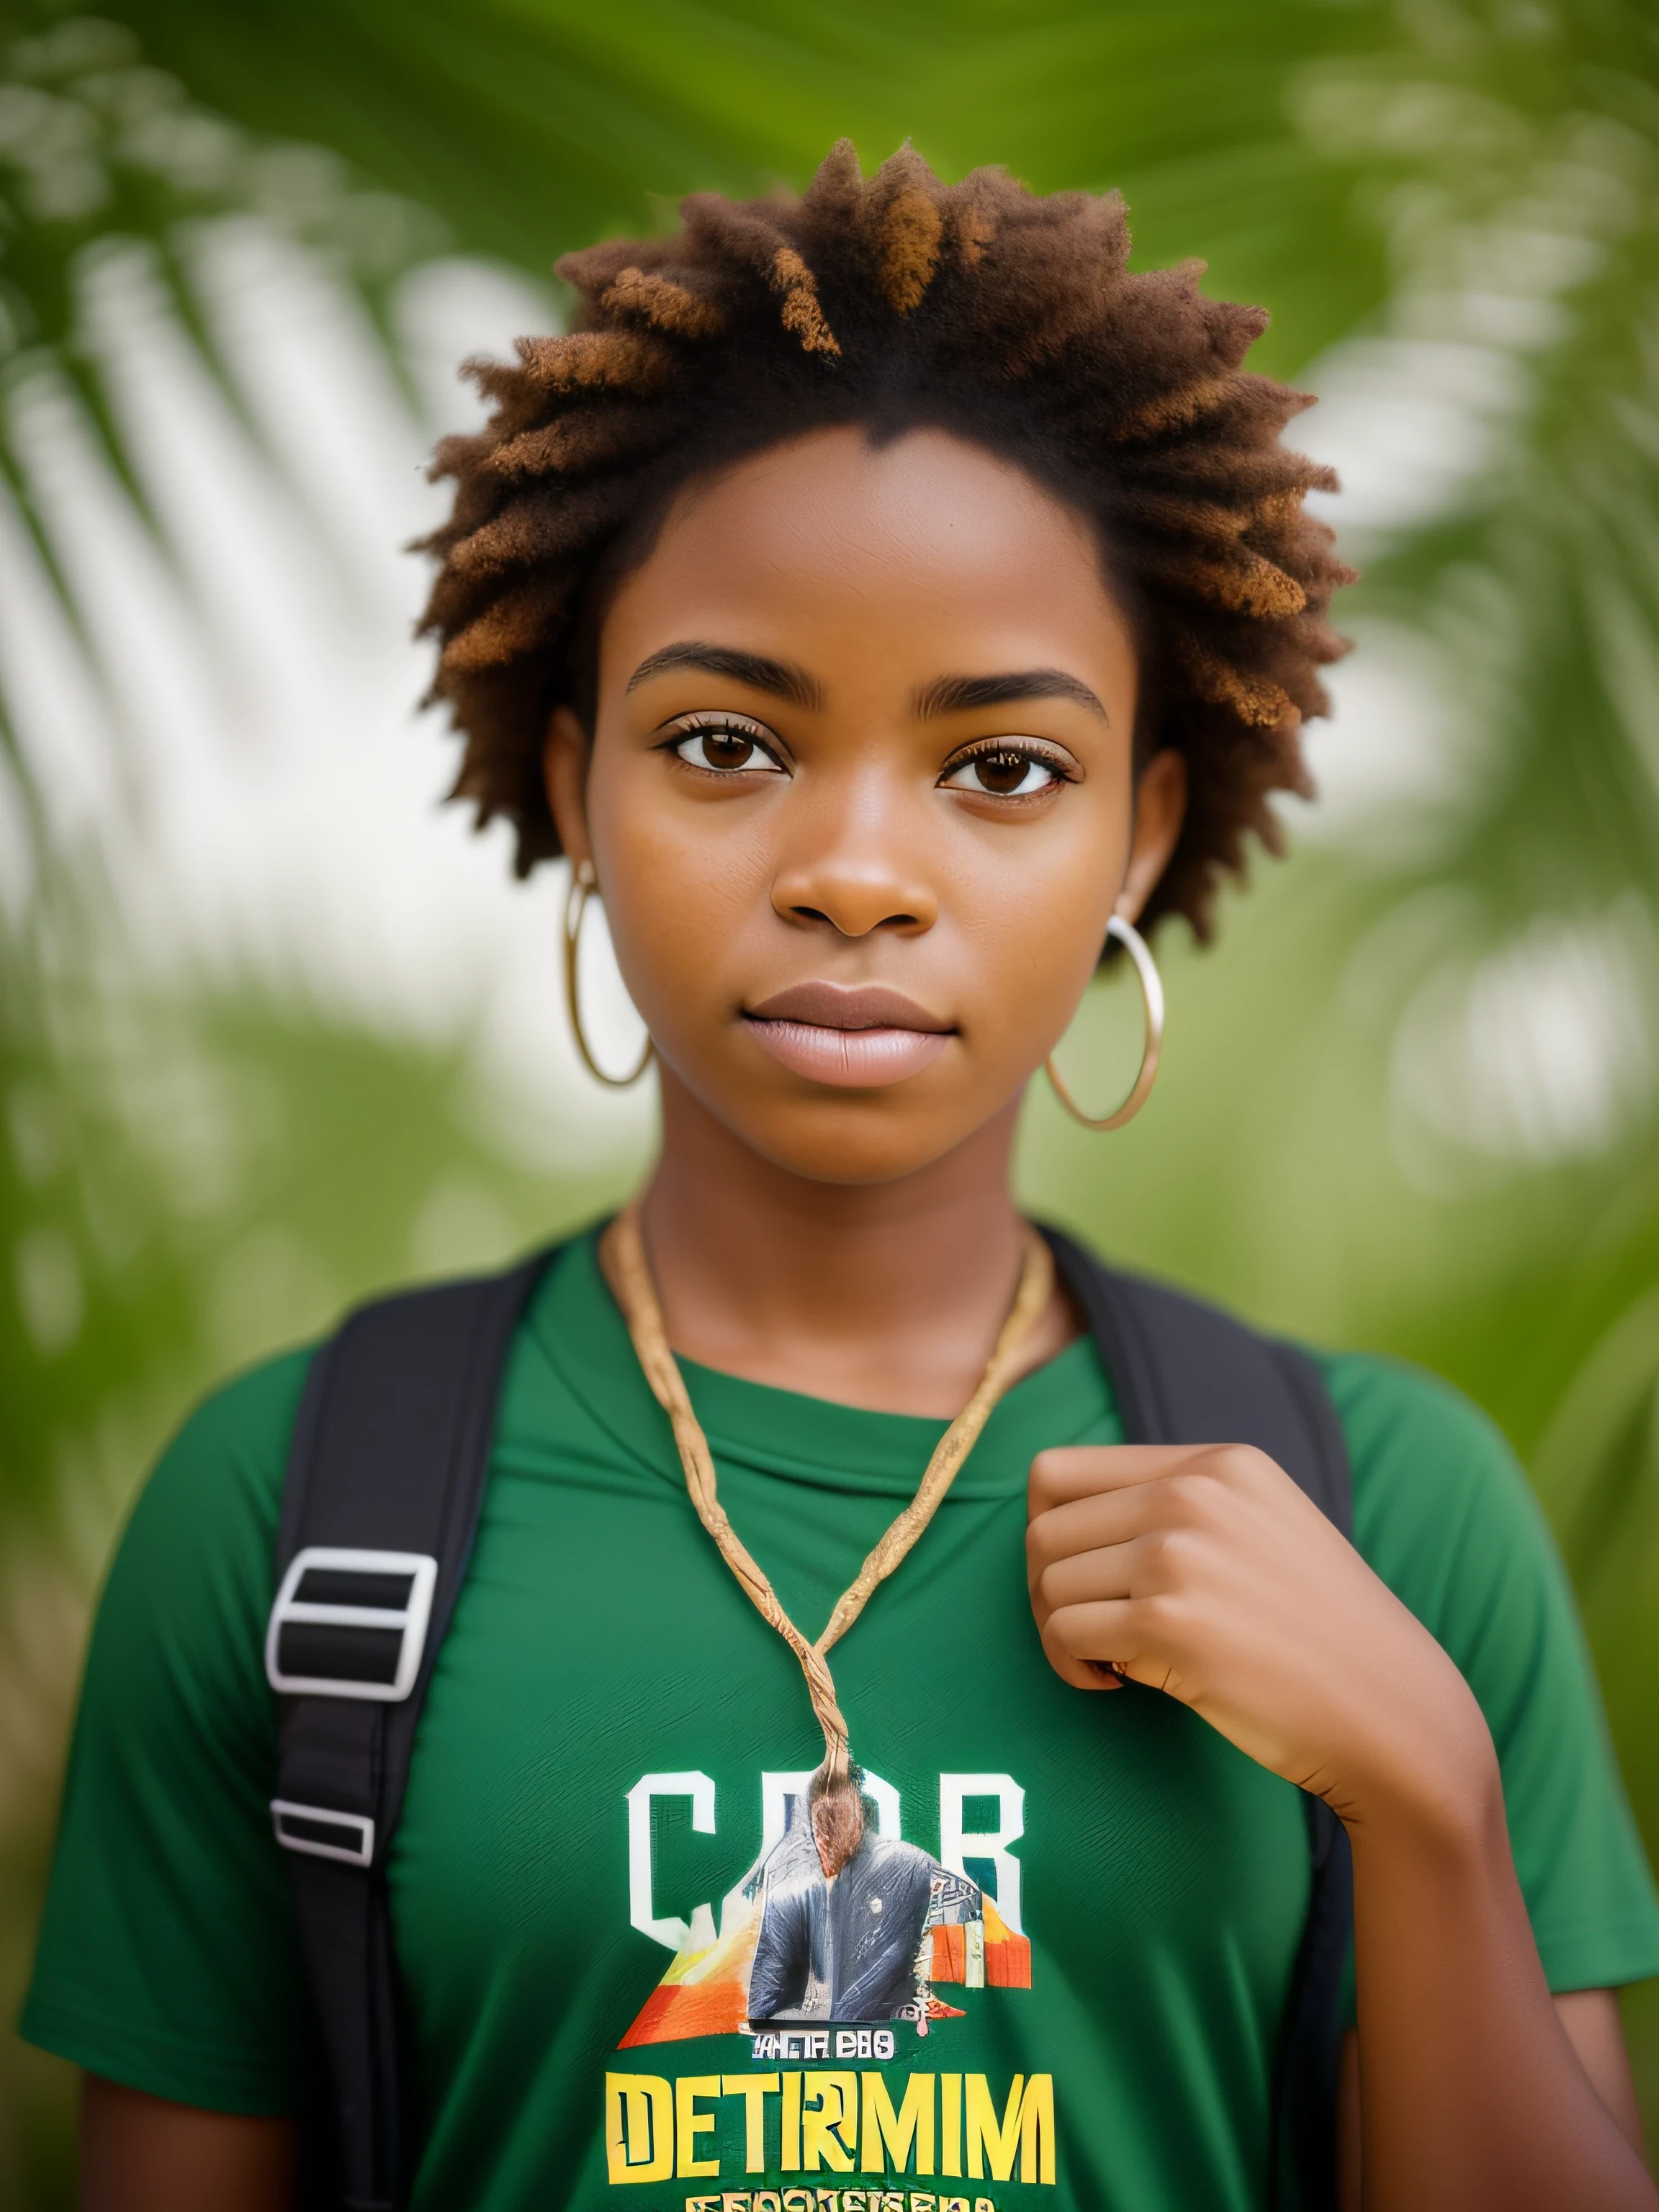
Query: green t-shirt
(1054, 1976)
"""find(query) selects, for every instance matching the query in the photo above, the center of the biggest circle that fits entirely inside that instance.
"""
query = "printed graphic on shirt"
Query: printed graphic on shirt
(797, 1955)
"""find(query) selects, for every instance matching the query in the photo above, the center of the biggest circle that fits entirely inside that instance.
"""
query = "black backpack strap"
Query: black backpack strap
(385, 1477)
(1184, 1372)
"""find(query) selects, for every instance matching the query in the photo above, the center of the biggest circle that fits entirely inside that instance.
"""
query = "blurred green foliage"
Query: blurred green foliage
(196, 1169)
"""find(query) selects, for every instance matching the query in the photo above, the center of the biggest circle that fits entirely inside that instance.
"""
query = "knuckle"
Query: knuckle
(1170, 1554)
(1191, 1498)
(1062, 1469)
(1060, 1585)
(1219, 1463)
(1206, 1511)
(1244, 1465)
(1042, 1469)
(1057, 1641)
(1044, 1545)
(1163, 1616)
(1056, 1461)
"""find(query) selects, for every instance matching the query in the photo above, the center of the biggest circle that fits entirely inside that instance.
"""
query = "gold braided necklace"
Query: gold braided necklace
(836, 1810)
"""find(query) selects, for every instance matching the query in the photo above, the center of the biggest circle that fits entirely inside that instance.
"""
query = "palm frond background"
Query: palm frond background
(254, 1066)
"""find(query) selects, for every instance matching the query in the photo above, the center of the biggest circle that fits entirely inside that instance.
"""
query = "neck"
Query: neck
(883, 1295)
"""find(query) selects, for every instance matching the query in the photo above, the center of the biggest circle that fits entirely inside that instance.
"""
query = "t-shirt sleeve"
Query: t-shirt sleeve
(168, 1956)
(1444, 1514)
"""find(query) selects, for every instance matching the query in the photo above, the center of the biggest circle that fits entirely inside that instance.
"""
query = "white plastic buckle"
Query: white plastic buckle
(409, 1620)
(357, 1827)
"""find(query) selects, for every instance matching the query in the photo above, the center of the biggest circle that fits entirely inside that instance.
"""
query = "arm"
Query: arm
(1205, 1572)
(1591, 2019)
(142, 2154)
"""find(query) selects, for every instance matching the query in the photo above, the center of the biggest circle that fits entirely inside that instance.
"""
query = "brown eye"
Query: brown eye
(725, 750)
(1003, 774)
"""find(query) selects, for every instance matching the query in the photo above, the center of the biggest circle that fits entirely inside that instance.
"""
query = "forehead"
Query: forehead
(925, 551)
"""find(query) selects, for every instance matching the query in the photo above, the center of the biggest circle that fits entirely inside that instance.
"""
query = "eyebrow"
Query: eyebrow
(779, 678)
(955, 694)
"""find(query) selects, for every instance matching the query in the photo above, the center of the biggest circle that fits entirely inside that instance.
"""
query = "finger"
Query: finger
(1091, 1577)
(1081, 1674)
(1102, 1629)
(1074, 1471)
(1094, 1523)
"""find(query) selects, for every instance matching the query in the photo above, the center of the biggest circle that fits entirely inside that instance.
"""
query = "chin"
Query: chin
(854, 1140)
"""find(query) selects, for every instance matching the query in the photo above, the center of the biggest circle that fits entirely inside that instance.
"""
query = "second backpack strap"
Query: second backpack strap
(385, 1477)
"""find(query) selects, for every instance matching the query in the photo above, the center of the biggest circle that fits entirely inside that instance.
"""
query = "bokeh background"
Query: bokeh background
(278, 1030)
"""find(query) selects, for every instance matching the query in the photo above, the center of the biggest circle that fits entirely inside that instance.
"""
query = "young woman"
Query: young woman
(881, 601)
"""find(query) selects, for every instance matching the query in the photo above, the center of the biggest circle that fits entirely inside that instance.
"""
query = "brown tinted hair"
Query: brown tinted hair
(898, 302)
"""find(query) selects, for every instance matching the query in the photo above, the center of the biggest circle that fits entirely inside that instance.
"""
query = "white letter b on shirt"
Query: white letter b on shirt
(956, 1846)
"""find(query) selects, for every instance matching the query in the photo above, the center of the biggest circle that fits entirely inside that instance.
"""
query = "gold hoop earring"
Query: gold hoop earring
(583, 884)
(1152, 991)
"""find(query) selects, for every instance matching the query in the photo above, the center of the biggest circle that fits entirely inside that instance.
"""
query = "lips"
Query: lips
(855, 1037)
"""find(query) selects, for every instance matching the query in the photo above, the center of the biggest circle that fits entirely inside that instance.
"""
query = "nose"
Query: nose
(853, 859)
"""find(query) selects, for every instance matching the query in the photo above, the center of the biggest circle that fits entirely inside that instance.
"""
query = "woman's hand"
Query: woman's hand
(1203, 1570)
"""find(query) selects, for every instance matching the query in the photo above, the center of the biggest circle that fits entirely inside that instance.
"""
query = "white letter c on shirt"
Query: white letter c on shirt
(675, 1935)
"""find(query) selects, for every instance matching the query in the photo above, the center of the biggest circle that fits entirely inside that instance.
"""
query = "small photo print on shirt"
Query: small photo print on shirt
(807, 1965)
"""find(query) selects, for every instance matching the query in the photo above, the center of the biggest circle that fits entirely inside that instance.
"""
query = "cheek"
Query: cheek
(1034, 910)
(682, 883)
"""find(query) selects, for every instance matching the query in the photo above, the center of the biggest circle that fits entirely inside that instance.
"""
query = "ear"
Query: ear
(564, 766)
(1160, 810)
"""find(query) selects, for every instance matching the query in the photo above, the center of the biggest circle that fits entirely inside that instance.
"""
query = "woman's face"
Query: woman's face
(859, 795)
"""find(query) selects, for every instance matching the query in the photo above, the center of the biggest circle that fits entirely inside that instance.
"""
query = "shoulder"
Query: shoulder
(190, 1585)
(1444, 1516)
(1387, 1407)
(225, 1464)
(1434, 1477)
(247, 1423)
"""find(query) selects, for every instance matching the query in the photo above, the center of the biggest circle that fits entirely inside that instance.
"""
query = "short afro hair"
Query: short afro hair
(897, 302)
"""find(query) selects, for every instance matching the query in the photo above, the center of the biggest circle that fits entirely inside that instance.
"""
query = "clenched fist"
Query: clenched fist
(1202, 1570)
